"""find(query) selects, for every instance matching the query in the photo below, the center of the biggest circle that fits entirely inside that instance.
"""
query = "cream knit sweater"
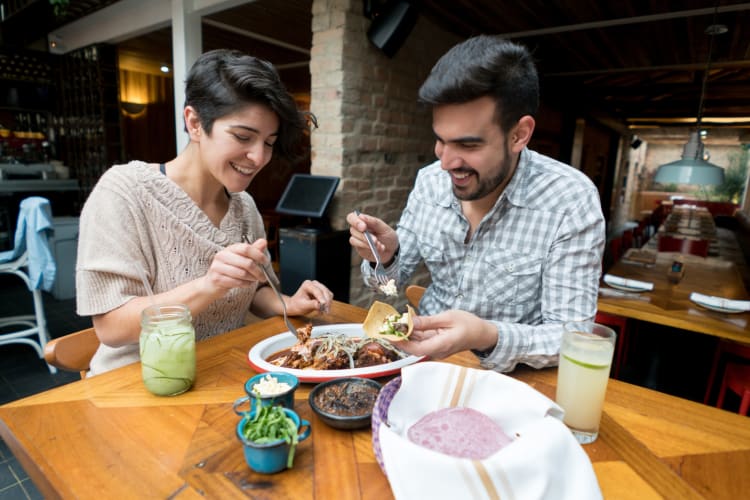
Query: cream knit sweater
(135, 214)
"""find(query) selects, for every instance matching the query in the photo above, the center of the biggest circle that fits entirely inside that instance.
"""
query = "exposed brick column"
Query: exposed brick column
(372, 132)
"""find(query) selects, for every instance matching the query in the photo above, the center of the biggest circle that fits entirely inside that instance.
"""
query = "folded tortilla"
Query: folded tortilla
(376, 317)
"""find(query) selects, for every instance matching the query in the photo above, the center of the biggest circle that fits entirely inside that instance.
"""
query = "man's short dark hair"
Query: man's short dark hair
(486, 66)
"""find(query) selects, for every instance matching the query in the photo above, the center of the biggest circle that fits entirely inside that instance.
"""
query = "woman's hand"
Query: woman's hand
(236, 266)
(447, 333)
(312, 296)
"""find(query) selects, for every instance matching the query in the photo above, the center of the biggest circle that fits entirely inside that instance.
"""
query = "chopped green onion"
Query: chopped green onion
(270, 424)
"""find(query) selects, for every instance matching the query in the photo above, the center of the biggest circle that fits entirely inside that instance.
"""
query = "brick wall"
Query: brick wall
(372, 133)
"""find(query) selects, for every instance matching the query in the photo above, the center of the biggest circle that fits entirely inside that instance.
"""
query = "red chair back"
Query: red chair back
(735, 351)
(613, 252)
(683, 245)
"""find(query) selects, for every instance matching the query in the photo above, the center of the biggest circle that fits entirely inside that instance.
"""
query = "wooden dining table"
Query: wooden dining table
(669, 303)
(106, 436)
(689, 222)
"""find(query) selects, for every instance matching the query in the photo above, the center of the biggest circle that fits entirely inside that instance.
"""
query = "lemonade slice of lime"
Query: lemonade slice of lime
(586, 365)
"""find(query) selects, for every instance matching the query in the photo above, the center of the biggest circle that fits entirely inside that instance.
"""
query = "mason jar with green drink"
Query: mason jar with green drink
(167, 345)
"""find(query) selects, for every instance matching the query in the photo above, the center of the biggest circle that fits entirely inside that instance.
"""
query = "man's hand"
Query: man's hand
(447, 333)
(384, 237)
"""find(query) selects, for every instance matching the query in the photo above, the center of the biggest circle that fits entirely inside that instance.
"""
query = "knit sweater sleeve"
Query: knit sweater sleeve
(109, 247)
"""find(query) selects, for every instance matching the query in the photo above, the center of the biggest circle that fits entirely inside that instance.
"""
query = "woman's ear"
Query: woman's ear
(521, 134)
(192, 123)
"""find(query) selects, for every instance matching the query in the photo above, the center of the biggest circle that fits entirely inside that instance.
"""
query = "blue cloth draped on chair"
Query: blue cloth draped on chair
(31, 260)
(32, 237)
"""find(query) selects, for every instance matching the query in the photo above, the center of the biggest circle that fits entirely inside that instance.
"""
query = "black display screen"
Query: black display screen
(307, 195)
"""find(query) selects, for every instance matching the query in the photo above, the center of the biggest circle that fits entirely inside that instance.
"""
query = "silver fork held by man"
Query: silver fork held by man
(275, 286)
(380, 275)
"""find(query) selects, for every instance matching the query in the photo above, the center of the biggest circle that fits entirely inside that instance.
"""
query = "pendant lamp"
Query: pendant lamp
(692, 168)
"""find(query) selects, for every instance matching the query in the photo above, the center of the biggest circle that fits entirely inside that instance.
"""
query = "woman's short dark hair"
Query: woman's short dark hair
(222, 80)
(486, 66)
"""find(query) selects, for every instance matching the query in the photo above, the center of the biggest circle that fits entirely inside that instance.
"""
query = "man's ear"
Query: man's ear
(521, 134)
(192, 123)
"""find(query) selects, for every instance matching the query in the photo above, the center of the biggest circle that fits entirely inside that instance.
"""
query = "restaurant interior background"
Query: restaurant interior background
(82, 88)
(86, 84)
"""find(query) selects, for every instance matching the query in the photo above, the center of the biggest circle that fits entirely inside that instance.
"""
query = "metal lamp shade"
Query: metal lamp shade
(692, 168)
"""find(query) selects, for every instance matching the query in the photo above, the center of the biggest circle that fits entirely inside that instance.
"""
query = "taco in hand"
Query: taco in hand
(385, 322)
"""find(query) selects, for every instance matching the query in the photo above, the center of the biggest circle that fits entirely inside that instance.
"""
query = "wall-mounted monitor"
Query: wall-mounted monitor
(307, 195)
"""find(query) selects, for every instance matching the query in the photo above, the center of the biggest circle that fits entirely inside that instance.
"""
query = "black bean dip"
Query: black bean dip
(347, 399)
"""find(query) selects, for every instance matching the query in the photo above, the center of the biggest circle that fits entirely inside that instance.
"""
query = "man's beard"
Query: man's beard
(488, 185)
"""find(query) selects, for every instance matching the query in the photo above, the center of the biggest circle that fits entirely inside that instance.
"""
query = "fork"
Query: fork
(273, 281)
(380, 275)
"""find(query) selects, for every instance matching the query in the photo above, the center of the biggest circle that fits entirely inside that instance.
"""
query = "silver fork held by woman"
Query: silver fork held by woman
(380, 275)
(273, 281)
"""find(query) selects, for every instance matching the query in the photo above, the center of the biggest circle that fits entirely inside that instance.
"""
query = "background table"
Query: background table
(669, 304)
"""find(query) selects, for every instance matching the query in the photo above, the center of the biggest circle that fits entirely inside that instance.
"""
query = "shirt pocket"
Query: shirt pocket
(435, 259)
(513, 278)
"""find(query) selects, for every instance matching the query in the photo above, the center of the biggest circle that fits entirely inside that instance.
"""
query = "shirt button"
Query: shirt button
(510, 267)
(460, 296)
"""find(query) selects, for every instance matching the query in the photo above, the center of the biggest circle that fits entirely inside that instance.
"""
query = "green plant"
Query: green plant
(735, 177)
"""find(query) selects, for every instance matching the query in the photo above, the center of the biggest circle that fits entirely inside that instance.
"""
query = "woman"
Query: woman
(181, 224)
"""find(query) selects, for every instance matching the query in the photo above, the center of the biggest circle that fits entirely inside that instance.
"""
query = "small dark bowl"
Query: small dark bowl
(349, 386)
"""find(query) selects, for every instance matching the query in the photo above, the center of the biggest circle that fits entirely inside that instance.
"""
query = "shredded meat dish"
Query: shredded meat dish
(334, 352)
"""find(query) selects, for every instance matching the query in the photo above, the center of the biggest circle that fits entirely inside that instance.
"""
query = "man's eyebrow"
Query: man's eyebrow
(460, 140)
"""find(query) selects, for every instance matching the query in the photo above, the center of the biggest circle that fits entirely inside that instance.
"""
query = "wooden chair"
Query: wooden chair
(736, 376)
(414, 294)
(683, 245)
(72, 352)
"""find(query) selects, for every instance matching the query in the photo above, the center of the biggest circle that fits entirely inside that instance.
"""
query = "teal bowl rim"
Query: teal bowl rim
(287, 376)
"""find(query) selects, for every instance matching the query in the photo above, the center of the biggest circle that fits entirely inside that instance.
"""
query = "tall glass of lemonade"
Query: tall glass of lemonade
(167, 345)
(585, 359)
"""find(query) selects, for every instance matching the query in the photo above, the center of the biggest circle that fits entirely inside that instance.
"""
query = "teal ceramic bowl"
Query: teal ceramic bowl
(285, 399)
(269, 458)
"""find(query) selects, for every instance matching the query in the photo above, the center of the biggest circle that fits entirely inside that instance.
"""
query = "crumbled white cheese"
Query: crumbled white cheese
(270, 386)
(389, 288)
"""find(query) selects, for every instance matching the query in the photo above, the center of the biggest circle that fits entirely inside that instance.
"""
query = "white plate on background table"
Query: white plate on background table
(627, 285)
(263, 349)
(720, 305)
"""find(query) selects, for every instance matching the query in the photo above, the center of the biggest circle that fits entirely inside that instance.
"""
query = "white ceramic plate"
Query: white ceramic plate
(263, 349)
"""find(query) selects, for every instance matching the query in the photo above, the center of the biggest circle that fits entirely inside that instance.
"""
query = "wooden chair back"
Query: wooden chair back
(72, 352)
(414, 294)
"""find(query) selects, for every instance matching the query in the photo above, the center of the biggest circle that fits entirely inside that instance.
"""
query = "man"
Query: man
(512, 239)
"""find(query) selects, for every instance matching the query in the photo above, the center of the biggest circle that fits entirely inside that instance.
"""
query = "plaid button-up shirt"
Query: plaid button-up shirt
(533, 262)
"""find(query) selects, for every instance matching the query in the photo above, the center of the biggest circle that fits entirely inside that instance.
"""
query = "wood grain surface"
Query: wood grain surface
(106, 436)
